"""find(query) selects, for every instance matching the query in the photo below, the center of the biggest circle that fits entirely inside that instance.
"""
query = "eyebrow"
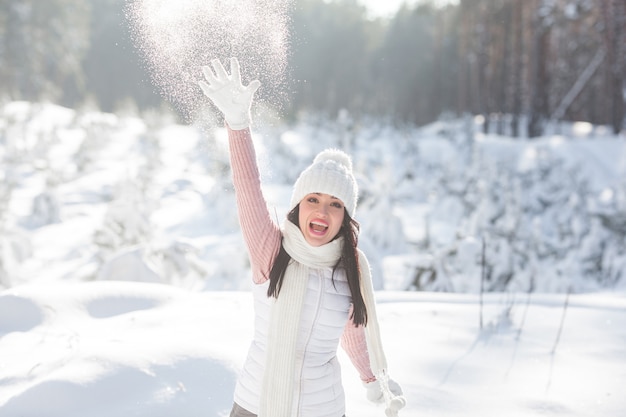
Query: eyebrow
(332, 196)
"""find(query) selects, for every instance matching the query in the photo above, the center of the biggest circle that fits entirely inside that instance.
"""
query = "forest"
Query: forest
(519, 64)
(488, 143)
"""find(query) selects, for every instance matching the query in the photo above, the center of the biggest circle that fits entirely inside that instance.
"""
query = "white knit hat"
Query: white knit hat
(330, 173)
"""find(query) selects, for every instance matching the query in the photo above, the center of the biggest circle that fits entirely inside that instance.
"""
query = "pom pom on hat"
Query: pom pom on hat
(335, 155)
(330, 173)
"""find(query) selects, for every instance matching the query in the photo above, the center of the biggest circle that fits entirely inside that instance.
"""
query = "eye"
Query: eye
(337, 204)
(312, 199)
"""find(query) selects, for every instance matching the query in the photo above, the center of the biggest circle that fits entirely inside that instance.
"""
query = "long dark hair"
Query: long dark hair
(349, 260)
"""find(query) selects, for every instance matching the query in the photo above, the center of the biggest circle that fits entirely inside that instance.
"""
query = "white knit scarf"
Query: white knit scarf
(280, 376)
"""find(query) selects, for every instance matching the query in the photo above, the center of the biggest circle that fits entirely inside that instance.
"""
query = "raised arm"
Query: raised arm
(261, 234)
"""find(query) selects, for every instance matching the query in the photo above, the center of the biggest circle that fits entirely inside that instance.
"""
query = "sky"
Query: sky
(383, 8)
(386, 8)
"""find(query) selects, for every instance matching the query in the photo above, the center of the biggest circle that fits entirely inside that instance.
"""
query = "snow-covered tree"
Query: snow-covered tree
(126, 222)
(46, 206)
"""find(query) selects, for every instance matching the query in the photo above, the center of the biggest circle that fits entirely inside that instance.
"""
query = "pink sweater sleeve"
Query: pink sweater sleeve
(354, 343)
(261, 234)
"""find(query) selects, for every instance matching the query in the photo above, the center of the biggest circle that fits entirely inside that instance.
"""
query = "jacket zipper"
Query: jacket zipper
(320, 281)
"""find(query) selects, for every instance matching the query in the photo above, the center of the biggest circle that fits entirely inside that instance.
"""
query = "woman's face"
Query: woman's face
(321, 216)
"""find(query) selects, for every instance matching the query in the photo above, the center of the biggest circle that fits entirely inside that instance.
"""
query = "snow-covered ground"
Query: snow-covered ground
(138, 349)
(125, 283)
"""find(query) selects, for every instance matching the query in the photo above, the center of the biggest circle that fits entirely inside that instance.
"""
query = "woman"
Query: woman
(313, 286)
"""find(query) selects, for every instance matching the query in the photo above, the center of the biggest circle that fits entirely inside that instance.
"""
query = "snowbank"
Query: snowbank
(138, 349)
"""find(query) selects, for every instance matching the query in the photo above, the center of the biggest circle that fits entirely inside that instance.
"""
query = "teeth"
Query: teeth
(318, 227)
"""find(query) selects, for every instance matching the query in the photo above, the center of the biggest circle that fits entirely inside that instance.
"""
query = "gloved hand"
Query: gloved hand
(228, 94)
(375, 393)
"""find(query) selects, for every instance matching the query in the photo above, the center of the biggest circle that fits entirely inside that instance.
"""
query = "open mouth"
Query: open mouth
(318, 227)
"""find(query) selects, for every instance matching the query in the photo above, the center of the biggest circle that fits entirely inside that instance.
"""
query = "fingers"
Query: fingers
(206, 88)
(253, 86)
(216, 77)
(234, 71)
(209, 76)
(235, 74)
(219, 69)
(213, 78)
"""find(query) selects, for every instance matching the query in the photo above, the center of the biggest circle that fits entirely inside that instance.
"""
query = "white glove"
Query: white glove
(228, 94)
(375, 393)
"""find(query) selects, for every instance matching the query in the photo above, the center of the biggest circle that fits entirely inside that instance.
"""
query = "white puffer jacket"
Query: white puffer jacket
(325, 313)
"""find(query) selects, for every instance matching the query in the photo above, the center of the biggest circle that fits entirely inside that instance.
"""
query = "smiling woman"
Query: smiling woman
(325, 191)
(313, 285)
(320, 217)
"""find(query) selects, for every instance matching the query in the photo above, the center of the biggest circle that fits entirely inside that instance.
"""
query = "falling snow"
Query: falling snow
(177, 38)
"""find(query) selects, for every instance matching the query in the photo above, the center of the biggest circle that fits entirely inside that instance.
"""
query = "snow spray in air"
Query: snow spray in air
(176, 38)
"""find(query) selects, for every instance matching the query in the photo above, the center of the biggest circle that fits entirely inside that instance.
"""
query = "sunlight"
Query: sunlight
(388, 8)
(582, 129)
